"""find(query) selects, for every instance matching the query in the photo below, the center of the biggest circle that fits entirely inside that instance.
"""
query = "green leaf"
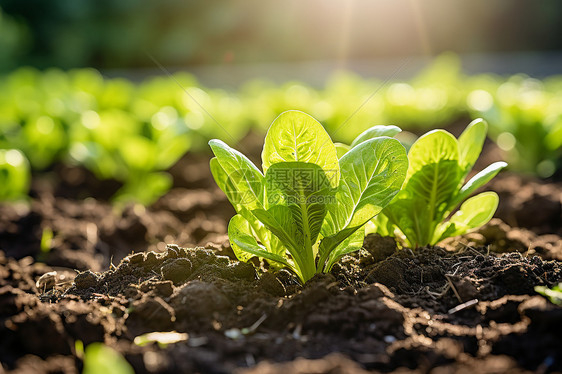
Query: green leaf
(255, 226)
(341, 149)
(473, 213)
(372, 174)
(553, 139)
(438, 167)
(172, 150)
(410, 216)
(296, 136)
(554, 294)
(280, 221)
(101, 359)
(375, 132)
(382, 225)
(352, 243)
(238, 201)
(240, 179)
(298, 193)
(225, 184)
(245, 246)
(432, 148)
(433, 177)
(470, 144)
(478, 181)
(305, 189)
(15, 175)
(144, 188)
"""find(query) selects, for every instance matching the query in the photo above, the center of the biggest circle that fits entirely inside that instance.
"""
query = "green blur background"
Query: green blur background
(107, 34)
(127, 89)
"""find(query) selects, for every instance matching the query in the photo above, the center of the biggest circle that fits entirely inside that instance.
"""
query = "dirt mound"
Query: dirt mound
(384, 314)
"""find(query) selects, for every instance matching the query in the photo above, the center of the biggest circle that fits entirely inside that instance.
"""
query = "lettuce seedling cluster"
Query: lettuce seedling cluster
(309, 206)
(435, 186)
(307, 209)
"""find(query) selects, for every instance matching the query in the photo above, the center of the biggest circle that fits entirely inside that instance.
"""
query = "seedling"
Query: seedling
(100, 358)
(554, 294)
(161, 338)
(308, 209)
(435, 186)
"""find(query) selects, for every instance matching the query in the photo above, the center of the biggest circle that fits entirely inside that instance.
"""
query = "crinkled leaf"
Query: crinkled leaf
(296, 136)
(372, 174)
(433, 177)
(375, 132)
(305, 189)
(438, 167)
(302, 190)
(279, 220)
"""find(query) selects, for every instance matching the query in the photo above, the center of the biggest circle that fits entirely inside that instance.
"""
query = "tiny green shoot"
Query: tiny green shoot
(100, 358)
(46, 240)
(79, 348)
(554, 294)
(308, 208)
(161, 338)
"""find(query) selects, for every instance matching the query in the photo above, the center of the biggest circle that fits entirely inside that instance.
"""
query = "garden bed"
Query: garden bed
(469, 304)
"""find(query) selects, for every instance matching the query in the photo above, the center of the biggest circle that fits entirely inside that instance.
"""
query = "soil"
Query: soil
(110, 275)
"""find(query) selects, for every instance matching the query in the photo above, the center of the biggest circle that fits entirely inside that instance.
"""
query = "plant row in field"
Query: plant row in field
(133, 132)
(309, 206)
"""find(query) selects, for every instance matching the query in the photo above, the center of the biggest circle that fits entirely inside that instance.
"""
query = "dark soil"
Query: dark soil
(467, 307)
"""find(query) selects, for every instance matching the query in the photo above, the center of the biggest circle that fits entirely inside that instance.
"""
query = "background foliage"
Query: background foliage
(113, 34)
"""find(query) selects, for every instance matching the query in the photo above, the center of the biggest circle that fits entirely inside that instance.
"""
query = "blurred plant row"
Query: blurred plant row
(134, 131)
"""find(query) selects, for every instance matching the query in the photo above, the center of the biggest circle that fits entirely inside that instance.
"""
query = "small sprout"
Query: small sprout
(99, 358)
(554, 294)
(79, 349)
(236, 334)
(162, 338)
(46, 240)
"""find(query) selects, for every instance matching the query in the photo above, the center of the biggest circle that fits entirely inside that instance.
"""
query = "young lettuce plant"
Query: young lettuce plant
(435, 186)
(308, 209)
